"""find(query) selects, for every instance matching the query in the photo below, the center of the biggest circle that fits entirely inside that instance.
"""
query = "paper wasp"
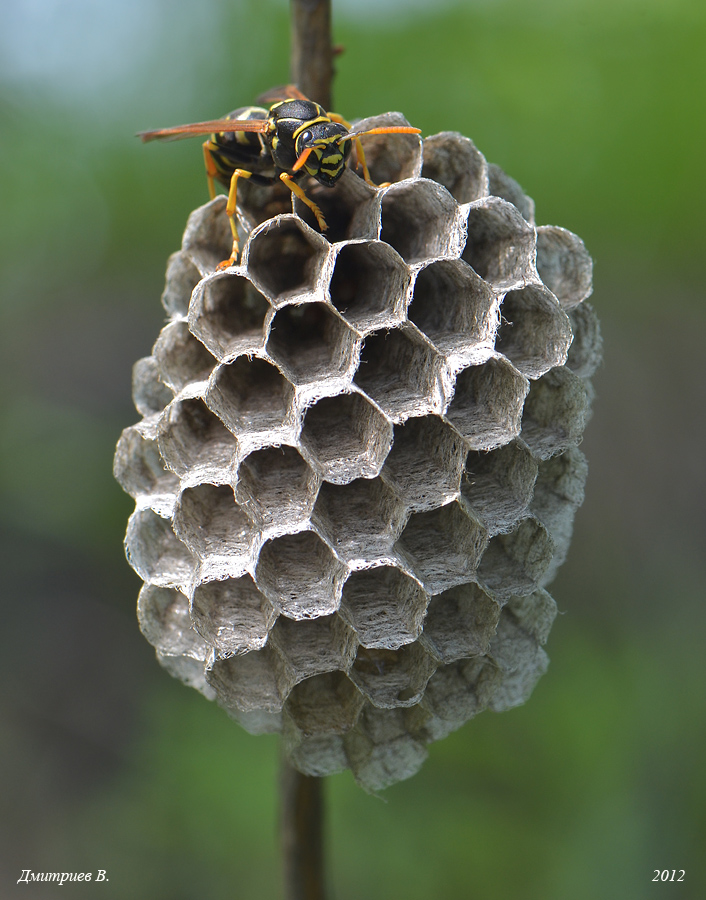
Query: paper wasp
(295, 137)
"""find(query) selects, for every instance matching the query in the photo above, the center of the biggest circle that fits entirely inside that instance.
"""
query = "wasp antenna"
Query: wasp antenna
(392, 129)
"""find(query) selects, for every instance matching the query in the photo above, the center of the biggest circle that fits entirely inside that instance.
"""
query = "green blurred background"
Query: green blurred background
(597, 109)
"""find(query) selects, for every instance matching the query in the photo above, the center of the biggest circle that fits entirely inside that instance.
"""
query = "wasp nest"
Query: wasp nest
(357, 466)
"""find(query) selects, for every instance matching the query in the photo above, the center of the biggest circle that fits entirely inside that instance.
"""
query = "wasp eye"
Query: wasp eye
(305, 137)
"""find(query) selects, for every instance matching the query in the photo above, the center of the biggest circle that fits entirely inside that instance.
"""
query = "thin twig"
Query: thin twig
(312, 53)
(301, 821)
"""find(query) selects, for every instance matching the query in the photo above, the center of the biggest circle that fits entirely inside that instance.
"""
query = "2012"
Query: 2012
(663, 875)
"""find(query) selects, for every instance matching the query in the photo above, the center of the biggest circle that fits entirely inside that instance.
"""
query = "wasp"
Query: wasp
(291, 139)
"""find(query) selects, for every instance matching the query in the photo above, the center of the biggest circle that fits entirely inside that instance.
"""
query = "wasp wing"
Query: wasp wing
(283, 92)
(211, 127)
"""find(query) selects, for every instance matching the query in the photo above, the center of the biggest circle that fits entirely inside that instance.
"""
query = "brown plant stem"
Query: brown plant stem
(301, 823)
(312, 53)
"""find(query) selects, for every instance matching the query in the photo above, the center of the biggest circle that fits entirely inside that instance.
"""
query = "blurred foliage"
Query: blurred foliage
(598, 780)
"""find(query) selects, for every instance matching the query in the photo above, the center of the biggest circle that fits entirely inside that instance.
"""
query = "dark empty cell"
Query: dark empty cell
(247, 682)
(418, 220)
(232, 313)
(325, 704)
(310, 341)
(209, 521)
(392, 678)
(275, 484)
(384, 606)
(454, 161)
(514, 563)
(314, 646)
(360, 518)
(194, 435)
(498, 485)
(460, 623)
(251, 393)
(232, 615)
(369, 281)
(535, 332)
(259, 202)
(500, 243)
(283, 259)
(348, 208)
(182, 358)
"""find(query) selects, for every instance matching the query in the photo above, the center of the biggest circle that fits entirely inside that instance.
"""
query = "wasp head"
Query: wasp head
(327, 155)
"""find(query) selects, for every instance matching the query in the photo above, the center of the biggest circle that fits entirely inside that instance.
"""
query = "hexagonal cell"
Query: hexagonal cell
(501, 245)
(210, 523)
(149, 393)
(313, 647)
(141, 472)
(425, 463)
(310, 342)
(498, 485)
(460, 623)
(163, 616)
(534, 613)
(181, 279)
(194, 443)
(182, 359)
(300, 575)
(401, 372)
(359, 520)
(248, 682)
(380, 750)
(515, 562)
(315, 755)
(155, 552)
(456, 693)
(421, 220)
(369, 285)
(564, 265)
(392, 678)
(284, 257)
(232, 615)
(454, 161)
(250, 395)
(324, 704)
(390, 157)
(351, 208)
(259, 202)
(501, 185)
(443, 546)
(345, 437)
(277, 488)
(385, 606)
(521, 660)
(208, 239)
(535, 333)
(190, 671)
(586, 352)
(487, 405)
(454, 307)
(555, 413)
(229, 315)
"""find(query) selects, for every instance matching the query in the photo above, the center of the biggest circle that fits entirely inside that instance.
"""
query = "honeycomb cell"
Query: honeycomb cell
(385, 606)
(300, 575)
(380, 750)
(443, 546)
(454, 308)
(313, 647)
(324, 704)
(278, 489)
(229, 315)
(460, 623)
(259, 202)
(163, 616)
(360, 520)
(194, 443)
(486, 409)
(501, 244)
(390, 157)
(425, 463)
(521, 660)
(514, 563)
(345, 437)
(155, 552)
(181, 279)
(534, 613)
(498, 486)
(456, 693)
(208, 239)
(586, 350)
(454, 161)
(351, 208)
(248, 683)
(182, 359)
(149, 393)
(401, 372)
(501, 185)
(369, 285)
(316, 755)
(232, 615)
(421, 220)
(392, 678)
(284, 257)
(535, 333)
(555, 413)
(188, 670)
(564, 265)
(309, 342)
(140, 470)
(211, 524)
(250, 395)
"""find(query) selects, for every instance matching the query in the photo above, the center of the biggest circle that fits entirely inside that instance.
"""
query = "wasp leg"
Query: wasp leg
(295, 189)
(230, 212)
(211, 170)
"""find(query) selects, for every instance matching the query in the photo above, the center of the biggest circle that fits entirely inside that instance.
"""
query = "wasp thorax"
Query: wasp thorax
(358, 466)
